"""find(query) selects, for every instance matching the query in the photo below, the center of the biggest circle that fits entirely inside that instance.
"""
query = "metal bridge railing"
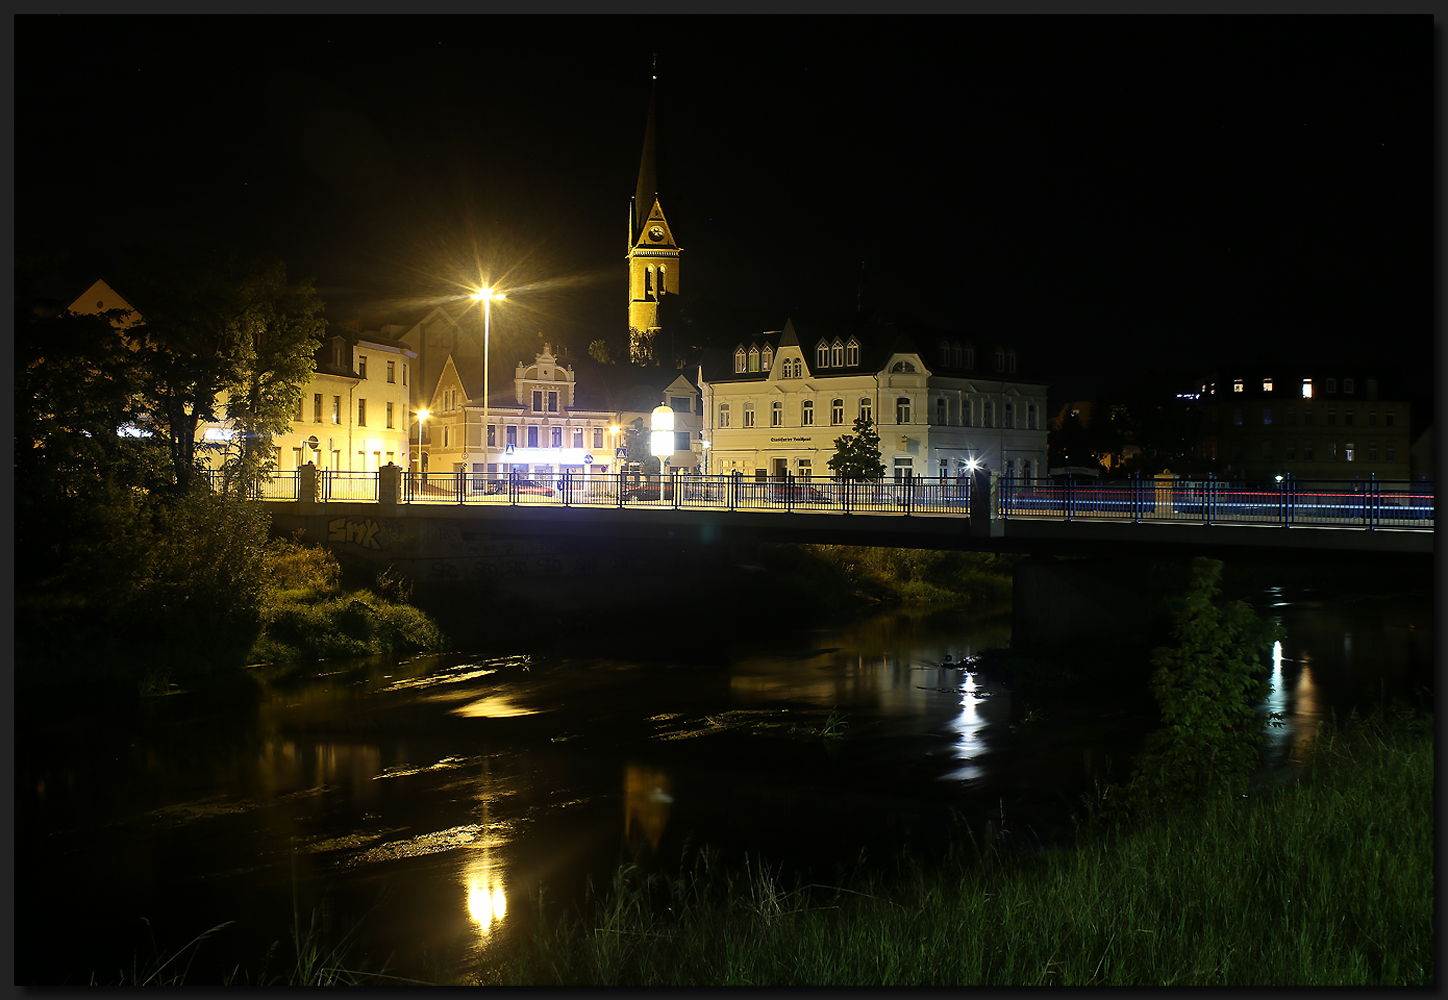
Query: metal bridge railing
(1370, 503)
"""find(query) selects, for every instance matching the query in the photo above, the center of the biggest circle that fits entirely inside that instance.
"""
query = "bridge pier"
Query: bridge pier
(1090, 605)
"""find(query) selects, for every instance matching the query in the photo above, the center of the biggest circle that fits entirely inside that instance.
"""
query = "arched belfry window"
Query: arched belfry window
(739, 360)
(822, 355)
(663, 285)
(852, 352)
(648, 281)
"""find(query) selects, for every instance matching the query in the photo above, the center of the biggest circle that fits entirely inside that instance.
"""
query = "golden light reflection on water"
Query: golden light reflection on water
(493, 707)
(648, 794)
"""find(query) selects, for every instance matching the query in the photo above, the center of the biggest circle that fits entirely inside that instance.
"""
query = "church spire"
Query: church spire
(648, 185)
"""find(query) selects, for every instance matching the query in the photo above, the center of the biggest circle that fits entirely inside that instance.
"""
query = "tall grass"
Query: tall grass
(1319, 882)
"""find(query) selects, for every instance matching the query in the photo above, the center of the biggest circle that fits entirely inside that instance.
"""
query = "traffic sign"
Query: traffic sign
(587, 459)
(620, 453)
(508, 450)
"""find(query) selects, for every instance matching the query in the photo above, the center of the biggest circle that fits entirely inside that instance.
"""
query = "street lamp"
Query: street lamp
(421, 416)
(613, 442)
(486, 297)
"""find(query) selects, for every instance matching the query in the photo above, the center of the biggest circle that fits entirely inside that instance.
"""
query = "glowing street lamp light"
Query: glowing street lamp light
(421, 416)
(661, 440)
(486, 297)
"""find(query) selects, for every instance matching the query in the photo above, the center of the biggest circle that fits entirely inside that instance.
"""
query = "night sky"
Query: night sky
(1109, 193)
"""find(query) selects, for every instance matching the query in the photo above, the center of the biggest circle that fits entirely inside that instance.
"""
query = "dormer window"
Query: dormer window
(766, 358)
(1000, 359)
(852, 352)
(969, 359)
(1010, 361)
(822, 355)
(903, 367)
(337, 354)
(837, 354)
(739, 360)
(754, 359)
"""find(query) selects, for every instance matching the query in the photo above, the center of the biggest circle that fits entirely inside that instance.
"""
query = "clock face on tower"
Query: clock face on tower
(656, 234)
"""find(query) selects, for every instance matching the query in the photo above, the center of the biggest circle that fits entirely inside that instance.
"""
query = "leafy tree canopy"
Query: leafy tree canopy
(857, 455)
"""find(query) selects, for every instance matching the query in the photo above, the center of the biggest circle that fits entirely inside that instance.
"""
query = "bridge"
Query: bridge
(392, 515)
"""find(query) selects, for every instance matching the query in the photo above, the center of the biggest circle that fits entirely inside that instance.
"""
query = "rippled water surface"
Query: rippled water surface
(425, 803)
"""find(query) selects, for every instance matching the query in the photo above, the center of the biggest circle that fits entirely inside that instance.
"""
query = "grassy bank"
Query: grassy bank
(306, 614)
(858, 575)
(1323, 881)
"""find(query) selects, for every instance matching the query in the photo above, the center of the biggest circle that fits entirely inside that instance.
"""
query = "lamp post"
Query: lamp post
(661, 439)
(486, 297)
(421, 416)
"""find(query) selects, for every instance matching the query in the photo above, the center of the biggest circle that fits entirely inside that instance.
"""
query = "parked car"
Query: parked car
(796, 493)
(527, 487)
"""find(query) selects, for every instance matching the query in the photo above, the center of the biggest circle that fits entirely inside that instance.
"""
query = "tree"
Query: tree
(598, 351)
(230, 341)
(637, 442)
(1205, 687)
(857, 455)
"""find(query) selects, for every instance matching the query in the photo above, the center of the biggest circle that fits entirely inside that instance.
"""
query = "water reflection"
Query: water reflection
(487, 900)
(647, 798)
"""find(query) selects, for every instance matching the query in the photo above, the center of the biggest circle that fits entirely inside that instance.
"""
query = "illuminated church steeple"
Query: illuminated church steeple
(653, 256)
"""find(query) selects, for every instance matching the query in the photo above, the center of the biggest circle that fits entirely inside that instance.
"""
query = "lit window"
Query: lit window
(1237, 386)
(766, 359)
(492, 435)
(336, 409)
(748, 414)
(1348, 452)
(1307, 388)
(723, 414)
(837, 411)
(776, 414)
(902, 410)
(806, 414)
(1266, 385)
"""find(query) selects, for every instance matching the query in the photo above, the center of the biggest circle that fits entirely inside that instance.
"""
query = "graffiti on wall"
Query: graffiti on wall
(363, 533)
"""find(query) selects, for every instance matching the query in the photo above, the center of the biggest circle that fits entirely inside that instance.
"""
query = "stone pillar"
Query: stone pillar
(308, 488)
(983, 498)
(389, 488)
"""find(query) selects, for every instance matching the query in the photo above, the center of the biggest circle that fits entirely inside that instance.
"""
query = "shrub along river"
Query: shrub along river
(422, 804)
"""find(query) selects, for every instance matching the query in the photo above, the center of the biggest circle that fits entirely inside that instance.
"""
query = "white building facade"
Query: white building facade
(777, 403)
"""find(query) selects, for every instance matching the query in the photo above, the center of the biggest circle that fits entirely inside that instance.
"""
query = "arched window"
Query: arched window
(852, 352)
(1008, 415)
(956, 354)
(822, 355)
(837, 354)
(837, 411)
(944, 353)
(902, 410)
(663, 285)
(799, 368)
(648, 281)
(749, 414)
(903, 366)
(987, 414)
(723, 414)
(754, 359)
(776, 414)
(1010, 361)
(806, 413)
(965, 406)
(867, 411)
(1000, 359)
(940, 410)
(739, 360)
(766, 358)
(969, 361)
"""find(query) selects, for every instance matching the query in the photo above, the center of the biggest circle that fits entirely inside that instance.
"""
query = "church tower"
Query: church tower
(653, 256)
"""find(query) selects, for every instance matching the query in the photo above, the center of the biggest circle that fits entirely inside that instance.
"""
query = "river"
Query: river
(421, 804)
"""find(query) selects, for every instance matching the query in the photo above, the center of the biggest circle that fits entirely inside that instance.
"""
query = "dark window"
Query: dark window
(510, 434)
(532, 437)
(553, 402)
(361, 413)
(537, 401)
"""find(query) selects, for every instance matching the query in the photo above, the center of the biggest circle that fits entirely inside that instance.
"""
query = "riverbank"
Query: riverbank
(1322, 881)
